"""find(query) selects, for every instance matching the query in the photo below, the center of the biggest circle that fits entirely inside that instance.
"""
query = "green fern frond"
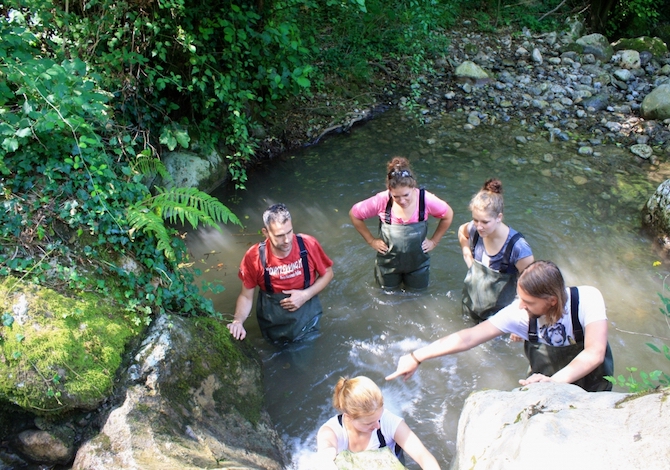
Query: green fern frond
(149, 222)
(192, 205)
(177, 205)
(147, 164)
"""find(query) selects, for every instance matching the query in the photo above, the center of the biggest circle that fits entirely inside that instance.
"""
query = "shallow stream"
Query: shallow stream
(580, 211)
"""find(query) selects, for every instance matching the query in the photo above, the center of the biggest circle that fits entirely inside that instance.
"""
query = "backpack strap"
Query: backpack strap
(303, 257)
(504, 264)
(473, 242)
(577, 328)
(264, 261)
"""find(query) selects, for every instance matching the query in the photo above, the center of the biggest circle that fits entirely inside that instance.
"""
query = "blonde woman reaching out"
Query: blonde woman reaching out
(364, 424)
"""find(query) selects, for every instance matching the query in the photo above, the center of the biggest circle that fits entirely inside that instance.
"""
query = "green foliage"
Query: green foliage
(176, 205)
(73, 166)
(633, 18)
(648, 380)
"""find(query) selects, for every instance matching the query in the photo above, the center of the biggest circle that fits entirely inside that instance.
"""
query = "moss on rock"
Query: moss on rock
(58, 353)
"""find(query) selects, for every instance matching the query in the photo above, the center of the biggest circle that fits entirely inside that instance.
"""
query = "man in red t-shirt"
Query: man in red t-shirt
(290, 269)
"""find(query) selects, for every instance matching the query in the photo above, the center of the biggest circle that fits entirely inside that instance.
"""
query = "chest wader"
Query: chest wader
(548, 360)
(277, 323)
(397, 450)
(404, 262)
(485, 290)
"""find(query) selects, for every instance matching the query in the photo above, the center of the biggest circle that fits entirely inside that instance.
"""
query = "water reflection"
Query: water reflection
(569, 208)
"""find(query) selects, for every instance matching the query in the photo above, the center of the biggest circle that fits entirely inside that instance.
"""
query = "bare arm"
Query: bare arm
(523, 263)
(376, 243)
(242, 309)
(326, 444)
(442, 227)
(464, 241)
(411, 444)
(298, 297)
(462, 340)
(595, 345)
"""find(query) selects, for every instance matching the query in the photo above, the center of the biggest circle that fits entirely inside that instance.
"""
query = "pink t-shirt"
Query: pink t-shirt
(376, 205)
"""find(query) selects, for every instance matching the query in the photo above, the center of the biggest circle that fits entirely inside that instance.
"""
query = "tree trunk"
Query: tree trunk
(599, 12)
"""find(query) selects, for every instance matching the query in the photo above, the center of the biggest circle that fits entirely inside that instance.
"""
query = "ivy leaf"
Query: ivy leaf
(7, 320)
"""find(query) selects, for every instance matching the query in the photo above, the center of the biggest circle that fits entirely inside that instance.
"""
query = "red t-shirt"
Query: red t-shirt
(285, 273)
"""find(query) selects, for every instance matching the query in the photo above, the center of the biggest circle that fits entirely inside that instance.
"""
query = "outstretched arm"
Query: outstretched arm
(411, 444)
(462, 340)
(326, 443)
(242, 309)
(298, 297)
(595, 345)
(464, 241)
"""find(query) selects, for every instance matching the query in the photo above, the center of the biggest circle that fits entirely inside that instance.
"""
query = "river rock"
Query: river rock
(642, 150)
(643, 43)
(656, 105)
(378, 459)
(470, 70)
(656, 213)
(597, 102)
(623, 75)
(561, 426)
(195, 170)
(537, 56)
(191, 398)
(597, 45)
(51, 447)
(629, 59)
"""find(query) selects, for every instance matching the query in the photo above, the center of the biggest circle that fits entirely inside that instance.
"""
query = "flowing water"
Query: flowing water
(581, 212)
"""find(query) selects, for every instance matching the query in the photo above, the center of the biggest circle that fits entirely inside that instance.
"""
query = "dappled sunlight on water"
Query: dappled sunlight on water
(570, 209)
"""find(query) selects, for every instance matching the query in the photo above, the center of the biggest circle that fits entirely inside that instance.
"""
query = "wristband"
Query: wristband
(418, 362)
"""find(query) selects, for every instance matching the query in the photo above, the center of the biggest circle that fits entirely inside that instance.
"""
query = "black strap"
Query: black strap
(504, 263)
(577, 329)
(422, 207)
(262, 254)
(380, 436)
(532, 329)
(303, 257)
(266, 273)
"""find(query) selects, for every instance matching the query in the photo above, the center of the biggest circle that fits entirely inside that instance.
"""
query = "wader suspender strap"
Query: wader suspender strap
(577, 329)
(422, 207)
(266, 274)
(303, 257)
(504, 264)
(380, 436)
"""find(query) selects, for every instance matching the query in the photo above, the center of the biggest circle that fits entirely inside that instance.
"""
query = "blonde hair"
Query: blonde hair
(543, 279)
(399, 174)
(357, 397)
(489, 199)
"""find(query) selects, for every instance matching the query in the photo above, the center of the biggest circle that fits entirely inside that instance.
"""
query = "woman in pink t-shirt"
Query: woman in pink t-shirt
(403, 209)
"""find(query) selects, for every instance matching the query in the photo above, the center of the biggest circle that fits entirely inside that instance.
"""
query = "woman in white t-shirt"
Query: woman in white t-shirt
(565, 332)
(363, 424)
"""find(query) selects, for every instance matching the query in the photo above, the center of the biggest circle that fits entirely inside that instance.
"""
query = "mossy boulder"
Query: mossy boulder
(656, 46)
(595, 44)
(57, 353)
(192, 398)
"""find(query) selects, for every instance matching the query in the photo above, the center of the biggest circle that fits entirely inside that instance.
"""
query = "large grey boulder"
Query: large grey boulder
(558, 426)
(656, 213)
(191, 399)
(195, 170)
(656, 105)
(597, 45)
